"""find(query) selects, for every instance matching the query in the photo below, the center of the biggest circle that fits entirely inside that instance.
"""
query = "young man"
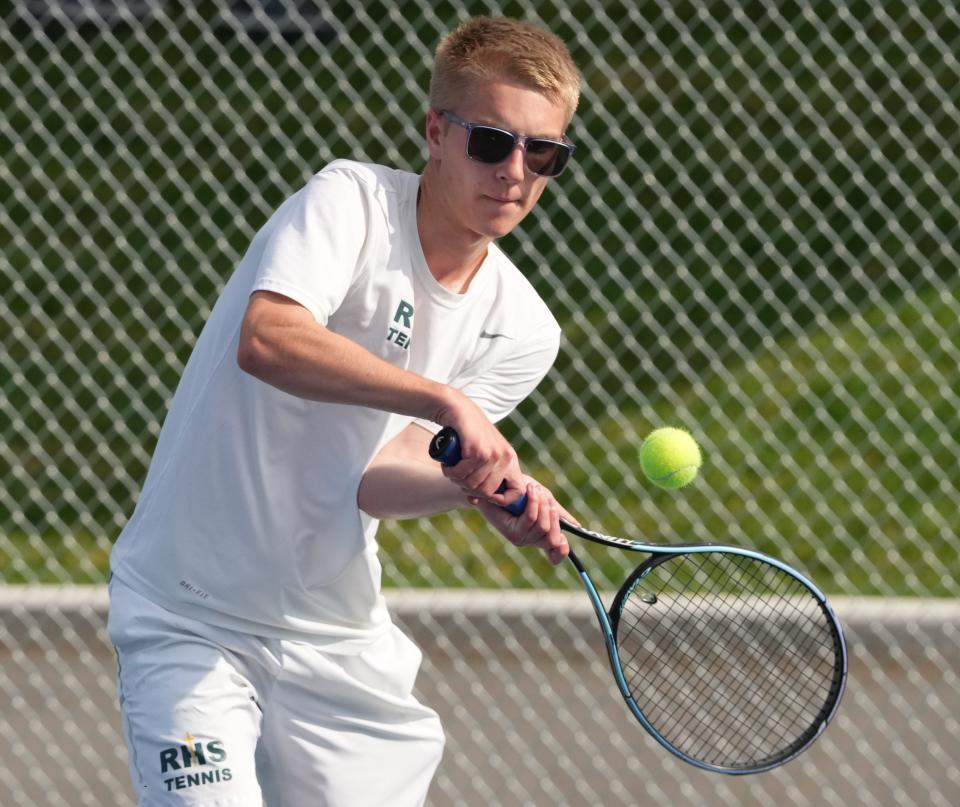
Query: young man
(257, 660)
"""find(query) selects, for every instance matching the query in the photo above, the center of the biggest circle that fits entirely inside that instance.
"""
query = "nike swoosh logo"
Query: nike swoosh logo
(485, 335)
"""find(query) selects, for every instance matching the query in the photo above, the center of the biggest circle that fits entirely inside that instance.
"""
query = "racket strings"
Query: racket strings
(738, 701)
(697, 693)
(731, 659)
(737, 736)
(778, 679)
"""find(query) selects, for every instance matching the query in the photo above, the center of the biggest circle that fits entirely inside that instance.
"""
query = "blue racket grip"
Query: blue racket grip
(445, 449)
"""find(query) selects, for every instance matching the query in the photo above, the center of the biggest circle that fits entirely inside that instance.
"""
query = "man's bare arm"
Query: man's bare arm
(283, 345)
(403, 482)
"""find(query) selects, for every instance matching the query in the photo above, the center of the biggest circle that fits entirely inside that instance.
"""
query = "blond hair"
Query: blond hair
(490, 48)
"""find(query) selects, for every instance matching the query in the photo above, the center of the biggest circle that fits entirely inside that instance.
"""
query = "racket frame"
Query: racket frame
(608, 620)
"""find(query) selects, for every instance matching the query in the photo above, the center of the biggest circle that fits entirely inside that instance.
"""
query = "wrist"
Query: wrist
(444, 402)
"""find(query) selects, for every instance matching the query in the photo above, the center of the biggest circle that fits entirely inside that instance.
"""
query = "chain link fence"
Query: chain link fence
(758, 241)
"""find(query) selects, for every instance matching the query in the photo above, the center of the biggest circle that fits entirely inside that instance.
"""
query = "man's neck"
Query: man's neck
(453, 254)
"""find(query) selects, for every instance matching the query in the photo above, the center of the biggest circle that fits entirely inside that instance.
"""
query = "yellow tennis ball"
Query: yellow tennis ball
(670, 457)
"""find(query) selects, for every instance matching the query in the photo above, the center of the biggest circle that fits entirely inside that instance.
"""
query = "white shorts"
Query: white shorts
(216, 717)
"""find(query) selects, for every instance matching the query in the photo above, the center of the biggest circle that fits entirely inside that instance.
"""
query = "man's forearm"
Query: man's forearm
(394, 489)
(282, 345)
(401, 482)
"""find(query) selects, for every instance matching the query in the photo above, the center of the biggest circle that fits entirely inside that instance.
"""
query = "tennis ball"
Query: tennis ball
(670, 457)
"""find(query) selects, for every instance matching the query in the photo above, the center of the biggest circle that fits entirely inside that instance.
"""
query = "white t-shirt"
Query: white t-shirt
(248, 517)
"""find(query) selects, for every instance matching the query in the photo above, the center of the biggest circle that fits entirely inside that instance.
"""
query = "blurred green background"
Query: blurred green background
(757, 242)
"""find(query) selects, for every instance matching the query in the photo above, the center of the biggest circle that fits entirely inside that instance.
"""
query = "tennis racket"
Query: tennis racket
(730, 659)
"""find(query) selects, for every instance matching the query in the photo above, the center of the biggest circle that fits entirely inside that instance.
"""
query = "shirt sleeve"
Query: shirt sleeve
(499, 387)
(499, 390)
(316, 243)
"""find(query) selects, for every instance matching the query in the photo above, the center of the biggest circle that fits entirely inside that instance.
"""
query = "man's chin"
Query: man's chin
(501, 225)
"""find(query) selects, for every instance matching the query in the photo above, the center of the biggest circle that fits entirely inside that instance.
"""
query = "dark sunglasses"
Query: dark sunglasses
(488, 144)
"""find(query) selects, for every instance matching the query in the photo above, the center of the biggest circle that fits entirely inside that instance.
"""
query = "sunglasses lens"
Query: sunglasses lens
(547, 158)
(489, 145)
(544, 157)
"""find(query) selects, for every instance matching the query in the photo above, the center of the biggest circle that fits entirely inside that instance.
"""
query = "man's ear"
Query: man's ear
(434, 132)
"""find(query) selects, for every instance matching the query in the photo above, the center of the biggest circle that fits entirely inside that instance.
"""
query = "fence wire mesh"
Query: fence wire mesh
(758, 241)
